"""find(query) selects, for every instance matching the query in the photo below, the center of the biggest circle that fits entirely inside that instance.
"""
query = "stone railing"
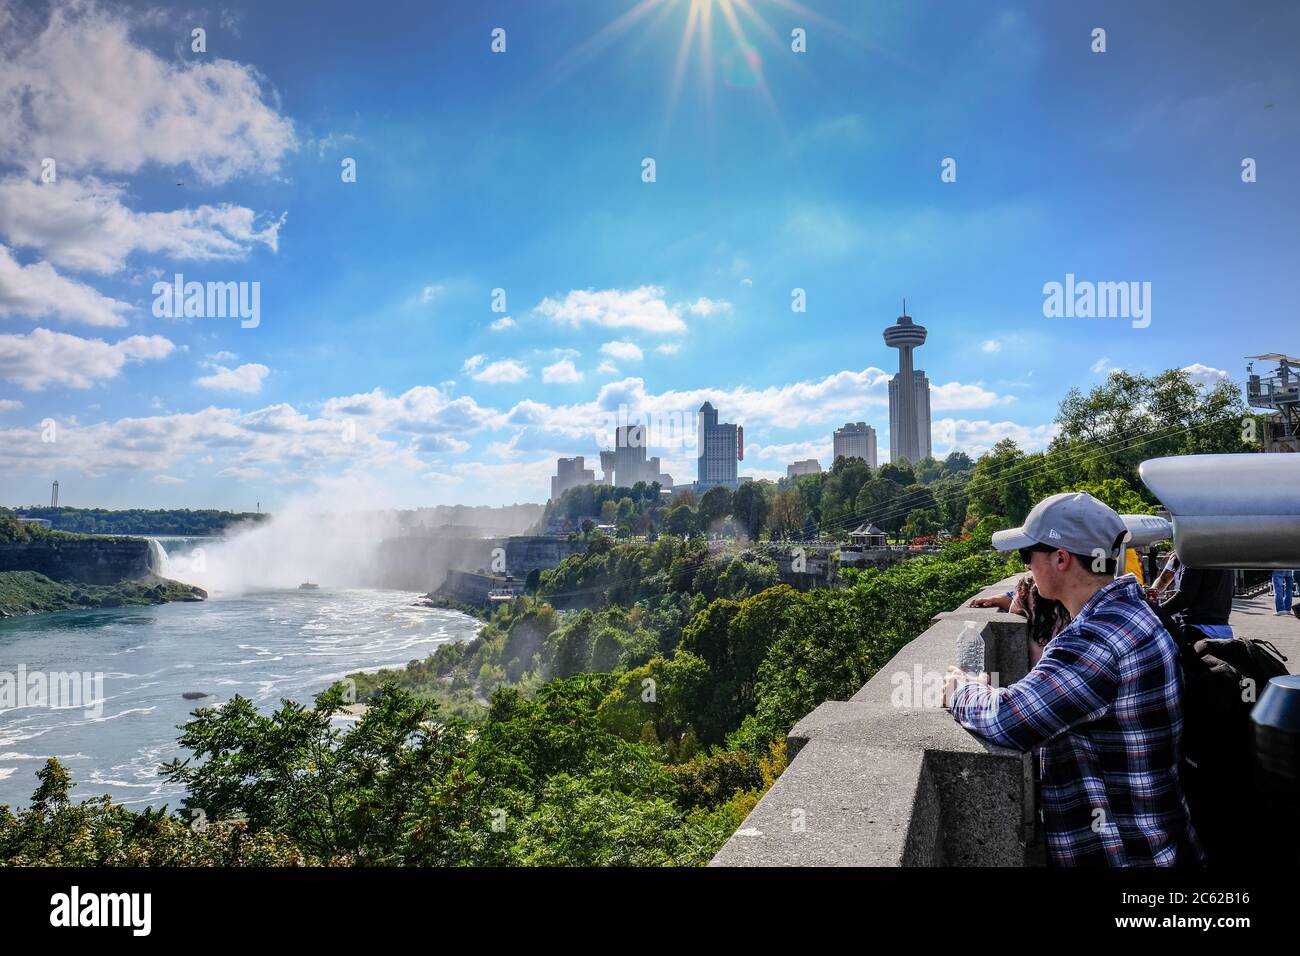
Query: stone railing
(888, 778)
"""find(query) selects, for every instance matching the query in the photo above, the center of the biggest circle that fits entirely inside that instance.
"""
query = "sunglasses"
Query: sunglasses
(1027, 553)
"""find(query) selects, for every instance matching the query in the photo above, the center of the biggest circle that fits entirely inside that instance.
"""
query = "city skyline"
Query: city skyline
(497, 279)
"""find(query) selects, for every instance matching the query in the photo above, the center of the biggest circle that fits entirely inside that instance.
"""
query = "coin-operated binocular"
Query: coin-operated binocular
(1231, 511)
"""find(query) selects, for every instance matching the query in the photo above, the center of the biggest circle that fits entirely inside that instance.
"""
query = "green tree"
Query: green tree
(900, 472)
(788, 513)
(839, 496)
(714, 507)
(880, 501)
(1112, 429)
(682, 521)
(1000, 483)
(749, 507)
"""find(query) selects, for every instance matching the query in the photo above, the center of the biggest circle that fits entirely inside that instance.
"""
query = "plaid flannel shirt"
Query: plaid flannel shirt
(1104, 703)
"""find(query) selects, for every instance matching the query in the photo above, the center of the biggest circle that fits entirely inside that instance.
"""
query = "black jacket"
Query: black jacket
(1204, 597)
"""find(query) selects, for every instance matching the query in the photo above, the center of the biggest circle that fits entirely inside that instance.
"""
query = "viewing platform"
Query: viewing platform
(883, 779)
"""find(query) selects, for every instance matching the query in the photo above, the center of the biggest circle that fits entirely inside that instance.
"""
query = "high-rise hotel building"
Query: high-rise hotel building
(855, 440)
(721, 445)
(909, 394)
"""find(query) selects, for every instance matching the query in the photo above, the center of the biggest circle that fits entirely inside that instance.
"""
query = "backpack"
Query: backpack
(1222, 678)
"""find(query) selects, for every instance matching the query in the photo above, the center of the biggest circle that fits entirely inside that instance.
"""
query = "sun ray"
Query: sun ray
(706, 62)
(603, 37)
(738, 33)
(848, 36)
(679, 68)
(757, 19)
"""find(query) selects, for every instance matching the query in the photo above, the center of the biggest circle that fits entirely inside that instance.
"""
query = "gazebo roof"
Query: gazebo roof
(867, 528)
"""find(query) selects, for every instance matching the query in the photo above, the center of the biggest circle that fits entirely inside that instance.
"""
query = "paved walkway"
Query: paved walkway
(1253, 617)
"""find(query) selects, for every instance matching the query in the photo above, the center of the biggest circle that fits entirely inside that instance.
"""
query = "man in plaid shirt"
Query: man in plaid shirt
(1104, 701)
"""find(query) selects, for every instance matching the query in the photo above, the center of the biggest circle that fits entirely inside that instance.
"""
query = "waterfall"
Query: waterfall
(157, 558)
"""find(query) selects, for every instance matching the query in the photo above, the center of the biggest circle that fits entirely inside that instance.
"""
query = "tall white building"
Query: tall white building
(626, 463)
(909, 405)
(570, 473)
(921, 400)
(855, 440)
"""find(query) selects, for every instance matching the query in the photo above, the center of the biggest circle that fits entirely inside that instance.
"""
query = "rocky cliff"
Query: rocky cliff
(84, 560)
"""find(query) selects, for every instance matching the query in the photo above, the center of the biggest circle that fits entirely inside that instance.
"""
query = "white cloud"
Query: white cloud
(43, 358)
(506, 371)
(77, 88)
(990, 346)
(829, 401)
(703, 306)
(562, 372)
(473, 362)
(790, 452)
(642, 308)
(430, 292)
(1100, 366)
(332, 141)
(278, 442)
(977, 437)
(1205, 375)
(167, 480)
(669, 348)
(954, 395)
(9, 405)
(223, 357)
(606, 368)
(247, 379)
(524, 478)
(422, 410)
(37, 291)
(442, 477)
(84, 224)
(500, 325)
(438, 444)
(622, 351)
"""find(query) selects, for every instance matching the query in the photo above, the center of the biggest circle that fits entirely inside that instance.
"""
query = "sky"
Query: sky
(503, 280)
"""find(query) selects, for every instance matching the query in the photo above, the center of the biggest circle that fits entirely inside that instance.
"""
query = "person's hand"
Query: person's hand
(999, 601)
(954, 677)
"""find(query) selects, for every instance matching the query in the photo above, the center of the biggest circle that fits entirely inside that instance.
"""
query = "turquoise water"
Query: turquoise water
(264, 645)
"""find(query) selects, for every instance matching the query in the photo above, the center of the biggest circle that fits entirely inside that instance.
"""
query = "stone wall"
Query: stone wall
(469, 587)
(421, 562)
(888, 778)
(528, 553)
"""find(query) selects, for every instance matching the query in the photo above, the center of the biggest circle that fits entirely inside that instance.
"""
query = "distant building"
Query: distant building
(607, 467)
(921, 398)
(627, 463)
(722, 445)
(570, 473)
(855, 440)
(909, 393)
(40, 522)
(809, 466)
(867, 536)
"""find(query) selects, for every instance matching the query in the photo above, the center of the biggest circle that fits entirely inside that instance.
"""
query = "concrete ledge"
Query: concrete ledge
(890, 779)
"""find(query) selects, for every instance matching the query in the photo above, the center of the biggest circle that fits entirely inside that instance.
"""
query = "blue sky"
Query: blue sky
(379, 370)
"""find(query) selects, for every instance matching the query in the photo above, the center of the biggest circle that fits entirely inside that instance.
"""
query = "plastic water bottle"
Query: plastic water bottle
(970, 649)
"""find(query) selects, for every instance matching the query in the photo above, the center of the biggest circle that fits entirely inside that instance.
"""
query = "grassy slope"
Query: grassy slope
(27, 592)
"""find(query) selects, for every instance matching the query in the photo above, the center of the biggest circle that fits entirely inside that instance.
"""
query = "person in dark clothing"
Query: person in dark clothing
(1202, 601)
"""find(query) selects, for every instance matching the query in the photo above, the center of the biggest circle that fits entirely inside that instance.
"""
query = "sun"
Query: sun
(732, 26)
